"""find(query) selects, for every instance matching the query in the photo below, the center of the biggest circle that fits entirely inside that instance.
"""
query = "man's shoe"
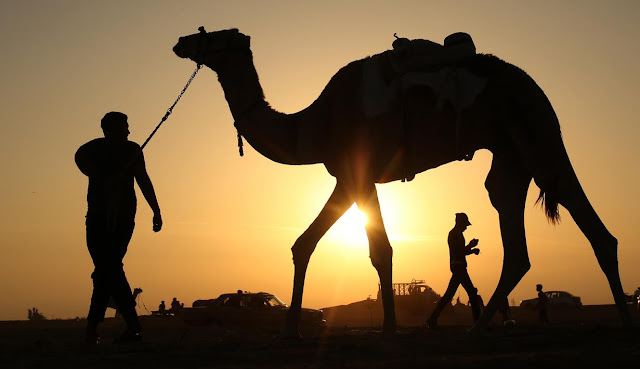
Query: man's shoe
(129, 337)
(92, 339)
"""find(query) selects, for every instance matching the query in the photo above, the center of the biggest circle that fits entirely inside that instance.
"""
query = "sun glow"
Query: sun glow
(349, 229)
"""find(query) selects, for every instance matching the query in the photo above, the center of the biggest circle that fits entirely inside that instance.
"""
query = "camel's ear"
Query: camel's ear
(246, 40)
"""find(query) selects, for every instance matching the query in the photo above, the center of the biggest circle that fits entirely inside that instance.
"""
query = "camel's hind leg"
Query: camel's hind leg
(554, 174)
(507, 183)
(535, 131)
(336, 206)
(380, 252)
(569, 194)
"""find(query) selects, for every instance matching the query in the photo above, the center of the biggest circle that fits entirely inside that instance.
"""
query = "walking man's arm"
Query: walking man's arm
(144, 182)
(469, 249)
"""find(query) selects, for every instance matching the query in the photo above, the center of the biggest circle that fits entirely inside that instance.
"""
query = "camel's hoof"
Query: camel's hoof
(477, 329)
(93, 339)
(431, 324)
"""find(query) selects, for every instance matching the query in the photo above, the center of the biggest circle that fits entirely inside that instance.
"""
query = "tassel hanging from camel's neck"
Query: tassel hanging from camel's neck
(240, 144)
(240, 117)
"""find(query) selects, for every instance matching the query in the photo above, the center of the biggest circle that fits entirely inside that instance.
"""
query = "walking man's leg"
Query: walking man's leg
(121, 292)
(432, 322)
(107, 249)
(100, 295)
(544, 315)
(119, 285)
(98, 307)
(472, 292)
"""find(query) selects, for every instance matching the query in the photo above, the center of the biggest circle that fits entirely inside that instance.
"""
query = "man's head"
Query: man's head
(538, 287)
(462, 220)
(115, 126)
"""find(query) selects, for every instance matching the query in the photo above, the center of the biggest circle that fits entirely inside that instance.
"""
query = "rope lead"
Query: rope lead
(240, 144)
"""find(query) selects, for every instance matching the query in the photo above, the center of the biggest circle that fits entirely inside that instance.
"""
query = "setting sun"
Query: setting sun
(349, 229)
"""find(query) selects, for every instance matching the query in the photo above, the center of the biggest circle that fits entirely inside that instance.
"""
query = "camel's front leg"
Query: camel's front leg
(380, 252)
(507, 183)
(336, 206)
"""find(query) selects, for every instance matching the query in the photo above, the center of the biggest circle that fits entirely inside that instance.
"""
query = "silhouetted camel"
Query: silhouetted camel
(363, 138)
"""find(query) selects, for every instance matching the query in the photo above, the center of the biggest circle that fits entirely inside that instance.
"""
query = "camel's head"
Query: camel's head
(212, 48)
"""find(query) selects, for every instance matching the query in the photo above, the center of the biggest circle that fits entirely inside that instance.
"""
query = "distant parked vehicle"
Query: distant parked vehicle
(415, 297)
(557, 299)
(247, 309)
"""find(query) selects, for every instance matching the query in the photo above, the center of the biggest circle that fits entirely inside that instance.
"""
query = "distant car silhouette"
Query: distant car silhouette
(557, 299)
(248, 309)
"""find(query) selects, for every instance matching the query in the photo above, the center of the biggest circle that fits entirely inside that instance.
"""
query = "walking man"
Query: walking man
(112, 163)
(458, 252)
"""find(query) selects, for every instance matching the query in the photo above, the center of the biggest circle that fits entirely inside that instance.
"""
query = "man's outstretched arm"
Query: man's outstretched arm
(144, 182)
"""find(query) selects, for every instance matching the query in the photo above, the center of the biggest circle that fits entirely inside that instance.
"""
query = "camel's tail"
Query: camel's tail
(550, 205)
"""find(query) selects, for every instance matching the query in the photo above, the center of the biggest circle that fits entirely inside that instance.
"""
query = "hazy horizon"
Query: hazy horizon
(229, 221)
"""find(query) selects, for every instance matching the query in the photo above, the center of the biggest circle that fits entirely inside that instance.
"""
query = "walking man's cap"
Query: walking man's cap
(462, 218)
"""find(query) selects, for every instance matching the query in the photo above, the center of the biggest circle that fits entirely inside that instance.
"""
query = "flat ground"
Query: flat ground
(589, 337)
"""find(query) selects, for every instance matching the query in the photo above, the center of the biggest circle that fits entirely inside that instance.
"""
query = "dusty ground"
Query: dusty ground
(575, 339)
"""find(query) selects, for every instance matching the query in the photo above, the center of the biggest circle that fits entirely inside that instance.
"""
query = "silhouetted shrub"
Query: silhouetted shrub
(34, 314)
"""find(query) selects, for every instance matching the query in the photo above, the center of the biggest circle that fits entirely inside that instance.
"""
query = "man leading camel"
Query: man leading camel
(112, 163)
(458, 262)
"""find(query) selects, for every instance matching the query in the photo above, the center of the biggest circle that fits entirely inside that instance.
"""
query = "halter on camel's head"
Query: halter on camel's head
(211, 49)
(208, 47)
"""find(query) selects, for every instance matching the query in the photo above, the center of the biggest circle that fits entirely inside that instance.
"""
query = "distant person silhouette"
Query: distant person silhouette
(162, 308)
(176, 308)
(543, 302)
(112, 163)
(236, 300)
(636, 299)
(458, 263)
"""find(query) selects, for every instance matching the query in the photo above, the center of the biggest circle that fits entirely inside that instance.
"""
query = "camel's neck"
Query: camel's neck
(241, 86)
(271, 133)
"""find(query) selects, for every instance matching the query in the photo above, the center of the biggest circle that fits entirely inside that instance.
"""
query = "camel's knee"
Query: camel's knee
(512, 273)
(516, 268)
(381, 258)
(521, 264)
(607, 254)
(302, 250)
(608, 248)
(522, 268)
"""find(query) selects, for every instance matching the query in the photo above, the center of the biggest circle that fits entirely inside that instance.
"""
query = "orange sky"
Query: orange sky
(230, 221)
